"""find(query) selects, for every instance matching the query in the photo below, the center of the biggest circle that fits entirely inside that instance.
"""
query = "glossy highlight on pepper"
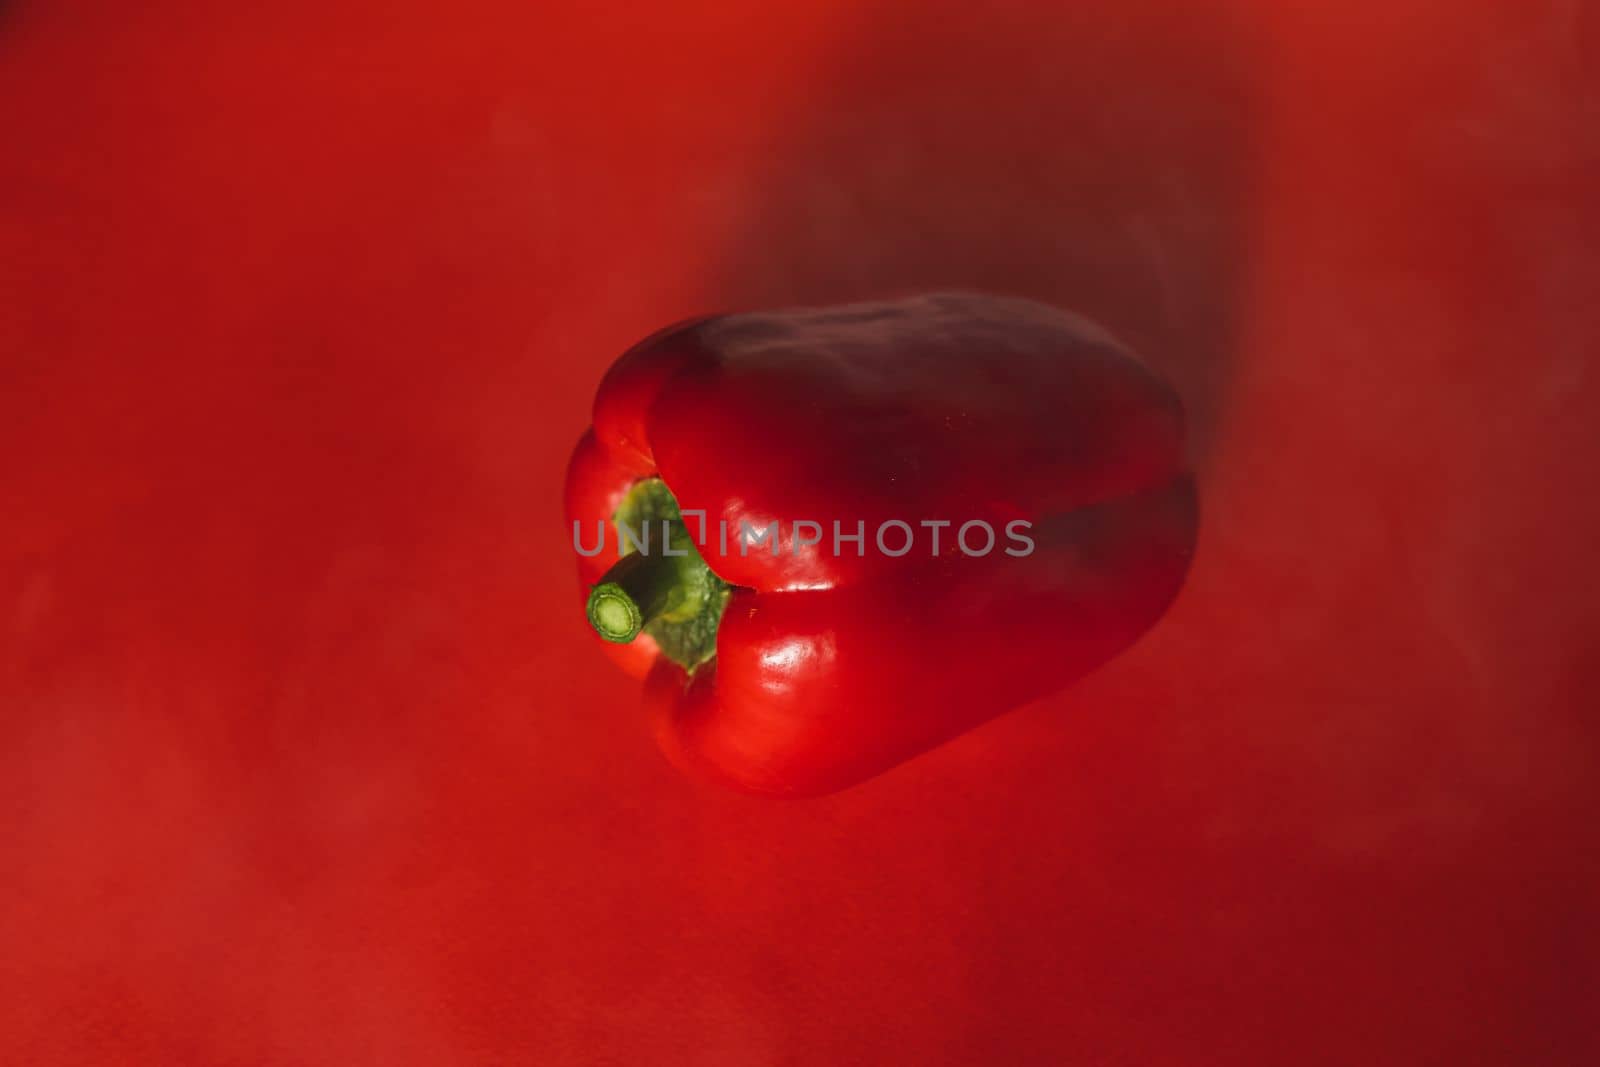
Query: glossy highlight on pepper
(801, 671)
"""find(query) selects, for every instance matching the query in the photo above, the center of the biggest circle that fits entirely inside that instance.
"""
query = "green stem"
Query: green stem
(638, 589)
(668, 592)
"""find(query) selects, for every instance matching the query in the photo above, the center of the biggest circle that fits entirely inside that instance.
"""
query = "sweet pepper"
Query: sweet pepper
(832, 538)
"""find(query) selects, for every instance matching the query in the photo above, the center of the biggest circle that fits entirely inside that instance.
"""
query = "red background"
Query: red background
(306, 758)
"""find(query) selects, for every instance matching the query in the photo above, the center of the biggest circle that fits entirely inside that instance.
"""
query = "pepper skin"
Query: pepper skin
(831, 668)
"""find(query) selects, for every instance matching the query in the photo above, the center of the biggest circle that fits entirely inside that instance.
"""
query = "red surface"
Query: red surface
(306, 758)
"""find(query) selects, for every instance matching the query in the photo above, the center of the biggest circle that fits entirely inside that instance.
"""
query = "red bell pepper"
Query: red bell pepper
(1016, 479)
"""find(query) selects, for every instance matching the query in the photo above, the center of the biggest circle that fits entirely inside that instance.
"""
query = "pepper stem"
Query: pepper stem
(670, 594)
(636, 590)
